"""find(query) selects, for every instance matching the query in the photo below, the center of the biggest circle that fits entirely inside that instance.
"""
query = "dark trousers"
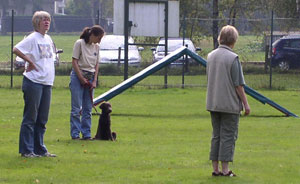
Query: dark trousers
(224, 136)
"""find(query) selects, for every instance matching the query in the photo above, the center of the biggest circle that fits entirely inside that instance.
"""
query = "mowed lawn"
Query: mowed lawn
(249, 48)
(163, 136)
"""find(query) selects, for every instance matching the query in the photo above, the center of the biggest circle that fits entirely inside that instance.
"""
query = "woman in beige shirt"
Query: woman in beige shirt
(85, 61)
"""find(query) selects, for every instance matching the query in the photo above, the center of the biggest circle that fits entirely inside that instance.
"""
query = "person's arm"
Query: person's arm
(31, 65)
(78, 72)
(239, 82)
(241, 93)
(94, 84)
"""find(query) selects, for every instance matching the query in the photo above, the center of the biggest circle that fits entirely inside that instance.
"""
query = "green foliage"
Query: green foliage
(37, 5)
(78, 7)
(114, 70)
(163, 137)
(88, 7)
(63, 69)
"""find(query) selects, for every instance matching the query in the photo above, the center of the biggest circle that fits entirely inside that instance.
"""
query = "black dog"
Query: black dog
(104, 131)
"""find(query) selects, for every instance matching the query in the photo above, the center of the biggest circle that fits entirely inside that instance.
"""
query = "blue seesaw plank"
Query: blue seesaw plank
(140, 76)
(166, 61)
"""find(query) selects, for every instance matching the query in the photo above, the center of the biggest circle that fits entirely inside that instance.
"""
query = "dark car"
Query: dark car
(286, 52)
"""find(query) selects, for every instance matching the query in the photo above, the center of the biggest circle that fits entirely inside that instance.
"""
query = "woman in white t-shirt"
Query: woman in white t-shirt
(38, 51)
(83, 78)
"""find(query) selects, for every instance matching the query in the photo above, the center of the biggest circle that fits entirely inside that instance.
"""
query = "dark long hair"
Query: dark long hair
(96, 30)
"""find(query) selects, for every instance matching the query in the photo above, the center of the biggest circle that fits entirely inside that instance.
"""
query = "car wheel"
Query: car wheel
(284, 65)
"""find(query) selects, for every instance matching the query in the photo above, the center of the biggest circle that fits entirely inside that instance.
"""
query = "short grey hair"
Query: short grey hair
(37, 17)
(228, 35)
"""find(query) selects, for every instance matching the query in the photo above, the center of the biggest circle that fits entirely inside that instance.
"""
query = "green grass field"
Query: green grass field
(163, 137)
(257, 81)
(249, 48)
(64, 42)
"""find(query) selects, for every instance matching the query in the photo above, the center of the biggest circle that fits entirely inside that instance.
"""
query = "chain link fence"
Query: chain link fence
(253, 48)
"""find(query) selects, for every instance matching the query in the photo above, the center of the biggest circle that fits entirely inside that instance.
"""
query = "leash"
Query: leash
(89, 85)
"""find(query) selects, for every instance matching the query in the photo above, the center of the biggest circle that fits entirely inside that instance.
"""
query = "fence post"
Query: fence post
(166, 41)
(119, 56)
(12, 45)
(267, 60)
(183, 70)
(185, 56)
(271, 47)
(98, 17)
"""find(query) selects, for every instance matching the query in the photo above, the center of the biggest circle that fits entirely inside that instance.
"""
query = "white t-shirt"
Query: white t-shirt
(41, 50)
(87, 55)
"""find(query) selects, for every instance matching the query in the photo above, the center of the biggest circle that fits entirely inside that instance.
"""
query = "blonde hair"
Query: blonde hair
(37, 17)
(228, 35)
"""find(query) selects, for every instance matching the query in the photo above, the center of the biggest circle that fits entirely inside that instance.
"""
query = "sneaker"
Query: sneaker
(29, 155)
(75, 138)
(87, 139)
(47, 154)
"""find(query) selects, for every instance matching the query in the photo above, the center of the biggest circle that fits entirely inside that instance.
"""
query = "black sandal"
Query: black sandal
(230, 174)
(216, 174)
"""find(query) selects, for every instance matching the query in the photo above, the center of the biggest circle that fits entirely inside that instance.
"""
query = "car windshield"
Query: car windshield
(114, 42)
(175, 44)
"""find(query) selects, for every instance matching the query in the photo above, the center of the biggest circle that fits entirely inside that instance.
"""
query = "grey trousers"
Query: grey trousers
(224, 135)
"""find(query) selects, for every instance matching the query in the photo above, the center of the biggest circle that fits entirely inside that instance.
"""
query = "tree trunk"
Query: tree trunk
(215, 27)
(4, 5)
(229, 20)
(194, 21)
(234, 12)
(93, 12)
(298, 8)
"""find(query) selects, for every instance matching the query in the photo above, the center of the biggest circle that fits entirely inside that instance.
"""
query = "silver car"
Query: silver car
(109, 51)
(20, 63)
(173, 43)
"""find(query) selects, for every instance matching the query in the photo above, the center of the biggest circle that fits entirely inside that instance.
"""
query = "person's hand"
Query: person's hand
(94, 84)
(83, 81)
(31, 66)
(247, 110)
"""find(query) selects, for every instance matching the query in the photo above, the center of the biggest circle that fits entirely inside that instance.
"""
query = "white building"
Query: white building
(59, 7)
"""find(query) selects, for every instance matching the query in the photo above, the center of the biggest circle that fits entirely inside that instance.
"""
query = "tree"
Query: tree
(232, 13)
(194, 10)
(4, 6)
(90, 8)
(79, 7)
(37, 5)
(298, 7)
(215, 27)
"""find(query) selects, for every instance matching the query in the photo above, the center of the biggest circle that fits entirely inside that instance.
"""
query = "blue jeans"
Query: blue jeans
(37, 99)
(81, 108)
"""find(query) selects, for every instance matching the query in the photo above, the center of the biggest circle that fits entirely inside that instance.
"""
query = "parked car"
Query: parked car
(20, 63)
(286, 52)
(173, 43)
(109, 50)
